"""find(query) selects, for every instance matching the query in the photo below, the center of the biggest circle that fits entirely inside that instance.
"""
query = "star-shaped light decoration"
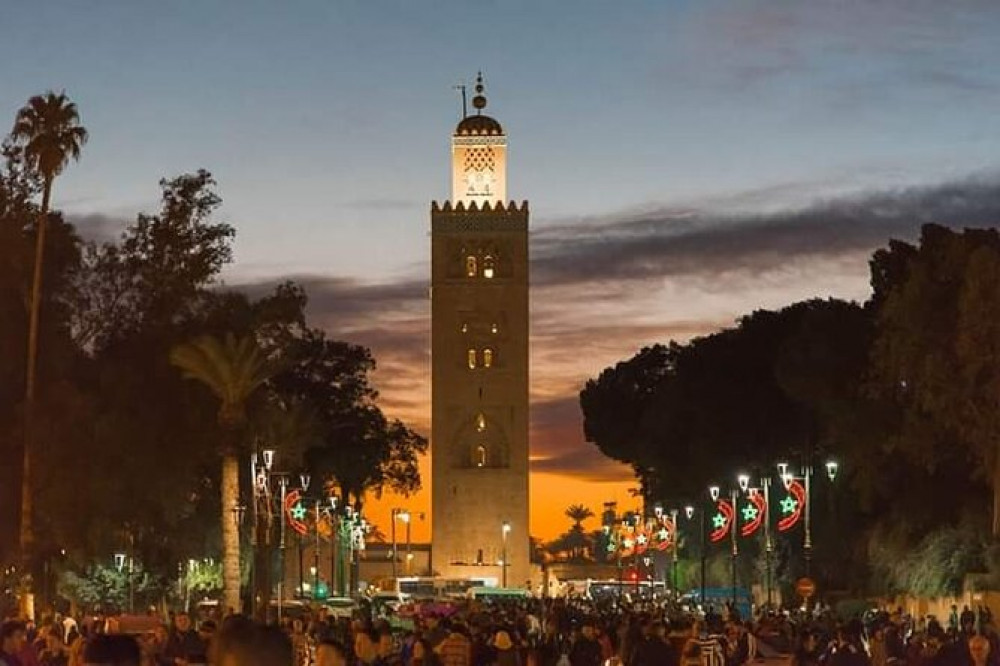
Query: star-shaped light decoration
(749, 512)
(611, 547)
(718, 521)
(627, 543)
(664, 534)
(641, 539)
(788, 505)
(298, 512)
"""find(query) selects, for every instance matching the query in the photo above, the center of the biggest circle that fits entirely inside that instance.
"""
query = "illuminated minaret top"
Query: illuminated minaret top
(478, 156)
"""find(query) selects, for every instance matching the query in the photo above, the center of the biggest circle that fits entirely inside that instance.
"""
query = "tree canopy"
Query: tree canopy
(110, 399)
(902, 390)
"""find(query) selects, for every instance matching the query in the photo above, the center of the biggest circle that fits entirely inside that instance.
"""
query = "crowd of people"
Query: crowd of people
(521, 633)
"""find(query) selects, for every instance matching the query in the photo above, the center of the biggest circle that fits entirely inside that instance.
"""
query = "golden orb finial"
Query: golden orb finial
(479, 101)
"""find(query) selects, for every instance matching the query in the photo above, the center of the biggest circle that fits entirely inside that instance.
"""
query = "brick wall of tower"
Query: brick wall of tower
(472, 496)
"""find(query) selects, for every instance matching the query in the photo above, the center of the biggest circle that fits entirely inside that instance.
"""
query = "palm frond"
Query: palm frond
(232, 368)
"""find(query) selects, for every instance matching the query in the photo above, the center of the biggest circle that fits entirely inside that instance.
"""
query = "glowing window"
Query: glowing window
(480, 456)
(495, 328)
(470, 266)
(487, 357)
(465, 328)
(489, 267)
(472, 358)
(480, 422)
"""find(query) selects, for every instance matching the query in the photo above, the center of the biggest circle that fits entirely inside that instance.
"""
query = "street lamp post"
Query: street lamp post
(676, 544)
(689, 512)
(263, 475)
(392, 530)
(768, 545)
(832, 469)
(714, 492)
(504, 531)
(403, 515)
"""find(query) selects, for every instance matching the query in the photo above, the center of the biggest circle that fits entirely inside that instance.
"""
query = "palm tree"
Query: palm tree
(48, 128)
(578, 513)
(232, 368)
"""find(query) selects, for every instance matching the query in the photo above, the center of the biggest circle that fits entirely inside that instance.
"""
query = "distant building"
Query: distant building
(479, 377)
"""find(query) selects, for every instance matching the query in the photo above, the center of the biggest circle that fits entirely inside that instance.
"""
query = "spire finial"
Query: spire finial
(479, 101)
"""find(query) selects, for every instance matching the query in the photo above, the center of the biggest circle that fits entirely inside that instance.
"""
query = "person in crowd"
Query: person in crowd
(585, 651)
(423, 654)
(13, 637)
(652, 648)
(53, 653)
(183, 643)
(253, 645)
(112, 650)
(331, 653)
(505, 653)
(456, 649)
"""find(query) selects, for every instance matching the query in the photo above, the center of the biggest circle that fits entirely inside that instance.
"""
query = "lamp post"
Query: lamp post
(675, 542)
(265, 499)
(504, 531)
(689, 512)
(715, 493)
(768, 545)
(403, 515)
(305, 480)
(832, 468)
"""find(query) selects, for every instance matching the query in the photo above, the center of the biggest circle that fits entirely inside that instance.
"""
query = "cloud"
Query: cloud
(602, 288)
(851, 44)
(558, 447)
(658, 245)
(98, 227)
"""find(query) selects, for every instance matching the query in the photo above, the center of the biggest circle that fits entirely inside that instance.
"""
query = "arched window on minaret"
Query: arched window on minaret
(487, 358)
(471, 358)
(471, 266)
(489, 266)
(481, 456)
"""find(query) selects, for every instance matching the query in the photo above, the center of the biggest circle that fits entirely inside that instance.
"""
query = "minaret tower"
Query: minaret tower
(479, 375)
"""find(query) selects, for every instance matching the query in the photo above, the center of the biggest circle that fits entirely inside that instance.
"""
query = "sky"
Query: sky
(686, 162)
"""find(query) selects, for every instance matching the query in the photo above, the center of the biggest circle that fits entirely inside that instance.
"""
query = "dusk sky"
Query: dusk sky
(685, 162)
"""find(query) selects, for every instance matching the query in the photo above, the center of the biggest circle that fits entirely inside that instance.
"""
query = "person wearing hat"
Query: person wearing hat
(506, 655)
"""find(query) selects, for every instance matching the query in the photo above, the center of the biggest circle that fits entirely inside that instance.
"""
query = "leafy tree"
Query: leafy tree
(233, 369)
(936, 353)
(107, 587)
(49, 129)
(360, 449)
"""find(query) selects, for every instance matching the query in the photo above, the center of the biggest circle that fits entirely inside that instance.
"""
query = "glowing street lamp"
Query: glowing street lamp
(504, 531)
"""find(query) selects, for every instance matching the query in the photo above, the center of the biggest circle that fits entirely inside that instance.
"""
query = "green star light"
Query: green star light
(718, 521)
(749, 512)
(788, 505)
(298, 512)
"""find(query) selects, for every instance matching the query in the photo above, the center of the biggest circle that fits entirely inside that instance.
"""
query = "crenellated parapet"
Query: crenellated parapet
(462, 207)
(473, 216)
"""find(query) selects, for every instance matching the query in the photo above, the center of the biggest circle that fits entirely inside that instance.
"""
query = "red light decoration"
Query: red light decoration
(722, 521)
(754, 513)
(792, 506)
(296, 512)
